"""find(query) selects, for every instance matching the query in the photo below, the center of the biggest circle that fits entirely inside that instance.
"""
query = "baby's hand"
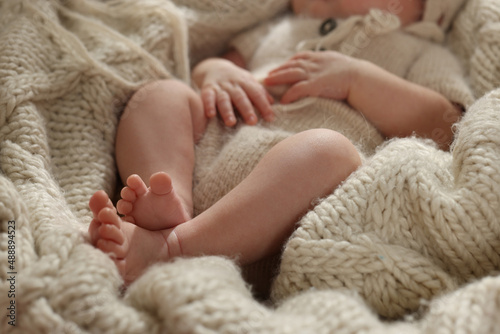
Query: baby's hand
(325, 74)
(226, 87)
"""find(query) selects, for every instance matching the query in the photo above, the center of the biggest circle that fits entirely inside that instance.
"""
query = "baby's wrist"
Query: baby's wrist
(359, 72)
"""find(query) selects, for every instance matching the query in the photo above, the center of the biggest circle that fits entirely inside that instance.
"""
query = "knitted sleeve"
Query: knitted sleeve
(439, 70)
(248, 41)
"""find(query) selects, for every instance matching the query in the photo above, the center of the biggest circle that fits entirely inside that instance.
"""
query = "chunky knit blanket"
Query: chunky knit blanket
(410, 243)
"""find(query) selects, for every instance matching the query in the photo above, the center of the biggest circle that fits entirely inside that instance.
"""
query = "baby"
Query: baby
(156, 137)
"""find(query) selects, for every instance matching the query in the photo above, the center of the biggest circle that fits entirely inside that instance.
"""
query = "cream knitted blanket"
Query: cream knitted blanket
(412, 235)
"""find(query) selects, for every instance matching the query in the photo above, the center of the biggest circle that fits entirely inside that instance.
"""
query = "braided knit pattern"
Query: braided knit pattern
(414, 229)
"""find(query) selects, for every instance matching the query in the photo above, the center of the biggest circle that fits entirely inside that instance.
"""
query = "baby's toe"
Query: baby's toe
(129, 219)
(94, 230)
(109, 216)
(160, 183)
(135, 183)
(124, 207)
(128, 194)
(112, 248)
(99, 201)
(111, 233)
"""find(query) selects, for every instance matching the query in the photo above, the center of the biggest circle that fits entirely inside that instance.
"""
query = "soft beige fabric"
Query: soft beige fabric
(413, 228)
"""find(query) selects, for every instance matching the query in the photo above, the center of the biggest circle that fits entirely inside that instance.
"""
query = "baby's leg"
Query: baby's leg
(250, 222)
(255, 218)
(157, 132)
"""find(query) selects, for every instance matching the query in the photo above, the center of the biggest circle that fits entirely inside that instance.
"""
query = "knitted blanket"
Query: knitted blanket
(413, 235)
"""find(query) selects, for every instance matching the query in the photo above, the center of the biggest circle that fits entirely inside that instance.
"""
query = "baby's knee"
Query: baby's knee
(161, 93)
(329, 151)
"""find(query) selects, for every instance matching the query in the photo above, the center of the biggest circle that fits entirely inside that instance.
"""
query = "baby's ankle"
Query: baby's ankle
(174, 245)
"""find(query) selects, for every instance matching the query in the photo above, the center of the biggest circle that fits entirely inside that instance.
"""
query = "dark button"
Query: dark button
(327, 26)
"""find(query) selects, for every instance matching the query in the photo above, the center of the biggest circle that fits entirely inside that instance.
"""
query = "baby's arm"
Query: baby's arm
(395, 106)
(226, 86)
(399, 108)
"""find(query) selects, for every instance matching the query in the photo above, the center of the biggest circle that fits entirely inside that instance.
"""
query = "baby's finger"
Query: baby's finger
(208, 99)
(282, 67)
(260, 99)
(270, 98)
(291, 63)
(287, 76)
(296, 92)
(304, 55)
(244, 106)
(225, 108)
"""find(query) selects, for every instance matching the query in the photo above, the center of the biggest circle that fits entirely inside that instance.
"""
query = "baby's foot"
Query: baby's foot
(131, 247)
(154, 208)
